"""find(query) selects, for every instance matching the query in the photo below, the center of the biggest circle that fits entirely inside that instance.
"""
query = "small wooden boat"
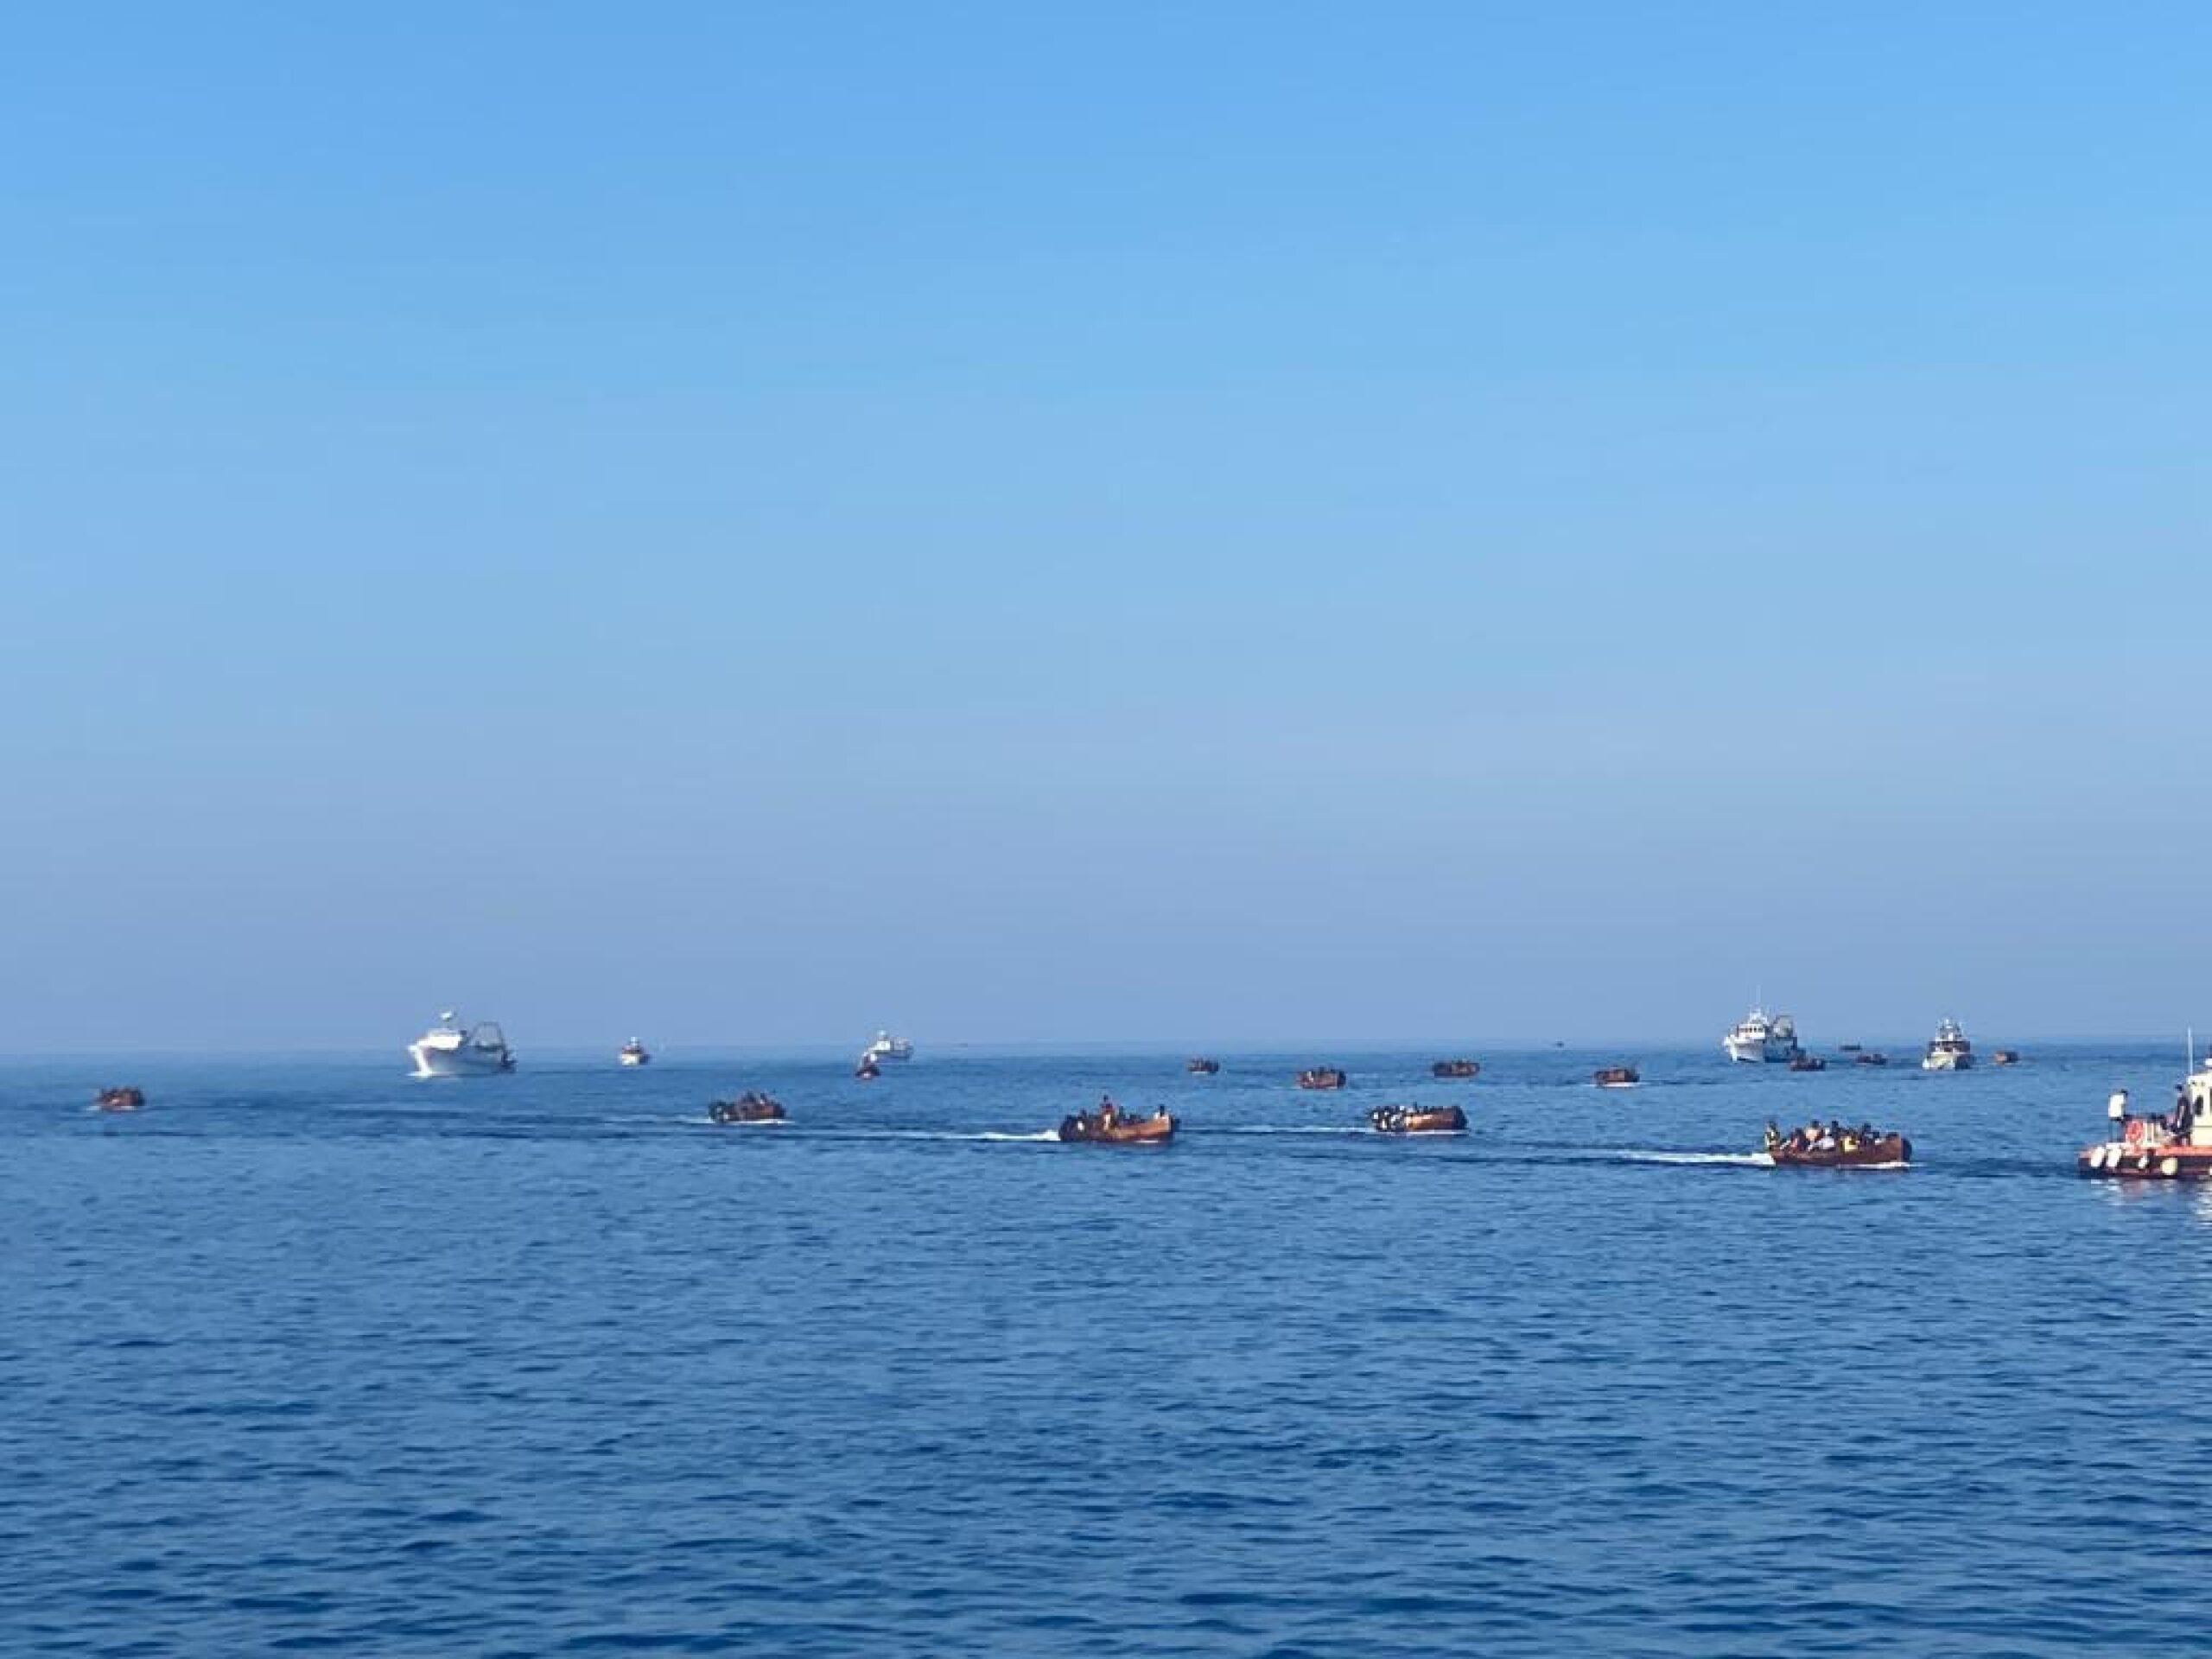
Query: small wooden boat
(1111, 1127)
(1202, 1068)
(1848, 1048)
(1322, 1077)
(868, 1070)
(1803, 1062)
(1456, 1069)
(2005, 1057)
(120, 1100)
(1869, 1057)
(1849, 1150)
(1415, 1120)
(751, 1107)
(1616, 1076)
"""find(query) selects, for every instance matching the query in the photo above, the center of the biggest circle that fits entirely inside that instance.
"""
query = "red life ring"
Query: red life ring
(2134, 1131)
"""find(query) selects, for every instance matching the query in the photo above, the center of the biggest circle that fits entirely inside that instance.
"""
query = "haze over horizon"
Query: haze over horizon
(1534, 523)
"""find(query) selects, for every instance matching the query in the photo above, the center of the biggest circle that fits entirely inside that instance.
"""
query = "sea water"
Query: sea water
(310, 1355)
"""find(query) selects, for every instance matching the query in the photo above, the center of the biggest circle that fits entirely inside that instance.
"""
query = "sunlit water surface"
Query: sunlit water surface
(309, 1355)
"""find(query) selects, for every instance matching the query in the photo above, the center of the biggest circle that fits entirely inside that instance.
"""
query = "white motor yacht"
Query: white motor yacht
(887, 1047)
(1762, 1038)
(1948, 1050)
(634, 1052)
(448, 1051)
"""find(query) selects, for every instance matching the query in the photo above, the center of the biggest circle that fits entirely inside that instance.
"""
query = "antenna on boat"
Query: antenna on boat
(2192, 1050)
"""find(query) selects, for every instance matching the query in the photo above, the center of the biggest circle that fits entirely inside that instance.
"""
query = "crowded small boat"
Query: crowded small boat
(1201, 1067)
(1831, 1146)
(1616, 1076)
(1107, 1125)
(751, 1107)
(1417, 1120)
(2005, 1057)
(2171, 1146)
(868, 1070)
(1456, 1069)
(634, 1053)
(1322, 1077)
(1869, 1056)
(1804, 1062)
(120, 1100)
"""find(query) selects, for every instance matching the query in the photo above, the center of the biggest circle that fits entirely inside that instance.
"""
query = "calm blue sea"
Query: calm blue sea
(313, 1356)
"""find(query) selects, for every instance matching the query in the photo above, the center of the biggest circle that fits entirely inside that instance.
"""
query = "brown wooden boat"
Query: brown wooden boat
(1416, 1120)
(1847, 1151)
(1867, 1057)
(1808, 1063)
(1202, 1068)
(120, 1100)
(2005, 1057)
(1322, 1077)
(751, 1107)
(1456, 1069)
(1616, 1076)
(1109, 1126)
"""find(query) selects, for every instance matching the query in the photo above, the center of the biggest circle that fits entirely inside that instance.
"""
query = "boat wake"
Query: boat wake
(1737, 1160)
(1293, 1129)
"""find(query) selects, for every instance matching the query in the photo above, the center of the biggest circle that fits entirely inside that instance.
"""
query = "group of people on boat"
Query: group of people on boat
(1816, 1136)
(1108, 1121)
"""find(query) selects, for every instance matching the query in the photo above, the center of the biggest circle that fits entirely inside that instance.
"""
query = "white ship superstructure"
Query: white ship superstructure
(887, 1047)
(448, 1051)
(1762, 1038)
(1948, 1050)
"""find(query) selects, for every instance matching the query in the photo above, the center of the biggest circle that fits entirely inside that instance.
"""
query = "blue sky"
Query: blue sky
(1233, 523)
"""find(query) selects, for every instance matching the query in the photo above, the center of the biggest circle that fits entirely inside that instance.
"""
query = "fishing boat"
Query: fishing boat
(751, 1107)
(120, 1100)
(1416, 1120)
(1456, 1069)
(1201, 1067)
(448, 1051)
(1836, 1147)
(2175, 1146)
(1948, 1050)
(1109, 1126)
(1322, 1077)
(634, 1053)
(1869, 1056)
(2005, 1057)
(1762, 1039)
(1808, 1063)
(1616, 1076)
(887, 1049)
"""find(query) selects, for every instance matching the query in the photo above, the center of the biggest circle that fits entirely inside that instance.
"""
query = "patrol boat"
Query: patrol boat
(1948, 1050)
(1762, 1038)
(446, 1051)
(2175, 1146)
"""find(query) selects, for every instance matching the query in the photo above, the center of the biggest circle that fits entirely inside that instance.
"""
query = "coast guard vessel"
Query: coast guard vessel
(1762, 1038)
(1948, 1050)
(446, 1051)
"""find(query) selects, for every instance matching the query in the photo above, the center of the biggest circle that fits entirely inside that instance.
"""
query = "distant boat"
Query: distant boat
(1617, 1077)
(1762, 1038)
(1848, 1048)
(1322, 1077)
(1948, 1050)
(885, 1047)
(1868, 1057)
(1460, 1069)
(120, 1100)
(1803, 1062)
(1416, 1120)
(448, 1051)
(634, 1053)
(1202, 1068)
(751, 1107)
(2005, 1057)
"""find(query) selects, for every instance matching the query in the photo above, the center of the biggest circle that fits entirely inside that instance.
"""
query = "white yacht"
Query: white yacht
(887, 1047)
(634, 1052)
(446, 1050)
(1948, 1050)
(1762, 1038)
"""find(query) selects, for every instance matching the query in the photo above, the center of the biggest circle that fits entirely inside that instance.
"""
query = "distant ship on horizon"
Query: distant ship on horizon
(446, 1051)
(886, 1047)
(1762, 1038)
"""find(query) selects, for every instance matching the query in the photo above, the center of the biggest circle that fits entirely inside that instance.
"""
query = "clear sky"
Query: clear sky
(746, 524)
